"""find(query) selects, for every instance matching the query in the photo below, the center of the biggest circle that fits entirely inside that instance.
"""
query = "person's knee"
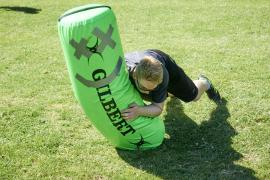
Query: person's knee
(193, 96)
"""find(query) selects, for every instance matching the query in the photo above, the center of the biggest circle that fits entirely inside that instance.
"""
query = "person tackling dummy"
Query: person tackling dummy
(155, 75)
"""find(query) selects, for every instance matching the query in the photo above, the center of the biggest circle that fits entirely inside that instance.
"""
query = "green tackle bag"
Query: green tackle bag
(100, 80)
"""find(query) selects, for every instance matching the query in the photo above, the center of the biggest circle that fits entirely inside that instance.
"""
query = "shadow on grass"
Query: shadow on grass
(27, 10)
(192, 151)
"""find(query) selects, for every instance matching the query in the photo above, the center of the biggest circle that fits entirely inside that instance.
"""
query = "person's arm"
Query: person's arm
(133, 111)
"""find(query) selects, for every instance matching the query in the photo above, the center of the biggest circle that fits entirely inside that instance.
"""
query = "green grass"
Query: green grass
(44, 133)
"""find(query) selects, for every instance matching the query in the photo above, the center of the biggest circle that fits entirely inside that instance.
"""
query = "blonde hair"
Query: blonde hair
(150, 69)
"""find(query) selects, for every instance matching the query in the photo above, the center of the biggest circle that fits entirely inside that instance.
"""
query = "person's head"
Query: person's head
(148, 74)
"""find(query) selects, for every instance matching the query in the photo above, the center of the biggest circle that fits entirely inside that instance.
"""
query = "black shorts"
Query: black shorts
(180, 85)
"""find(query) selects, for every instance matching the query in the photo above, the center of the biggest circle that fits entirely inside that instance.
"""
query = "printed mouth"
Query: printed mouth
(104, 81)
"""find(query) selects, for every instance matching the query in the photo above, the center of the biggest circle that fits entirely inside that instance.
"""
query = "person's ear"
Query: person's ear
(134, 74)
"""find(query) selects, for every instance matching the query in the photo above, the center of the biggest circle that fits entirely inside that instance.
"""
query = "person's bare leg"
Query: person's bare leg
(202, 86)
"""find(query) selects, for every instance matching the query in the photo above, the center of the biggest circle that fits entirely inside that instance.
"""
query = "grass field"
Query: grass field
(44, 134)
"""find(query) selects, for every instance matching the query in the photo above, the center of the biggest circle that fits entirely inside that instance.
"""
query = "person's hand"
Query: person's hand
(132, 112)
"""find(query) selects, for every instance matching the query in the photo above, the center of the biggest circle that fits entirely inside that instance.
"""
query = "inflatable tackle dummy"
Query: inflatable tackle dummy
(99, 77)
